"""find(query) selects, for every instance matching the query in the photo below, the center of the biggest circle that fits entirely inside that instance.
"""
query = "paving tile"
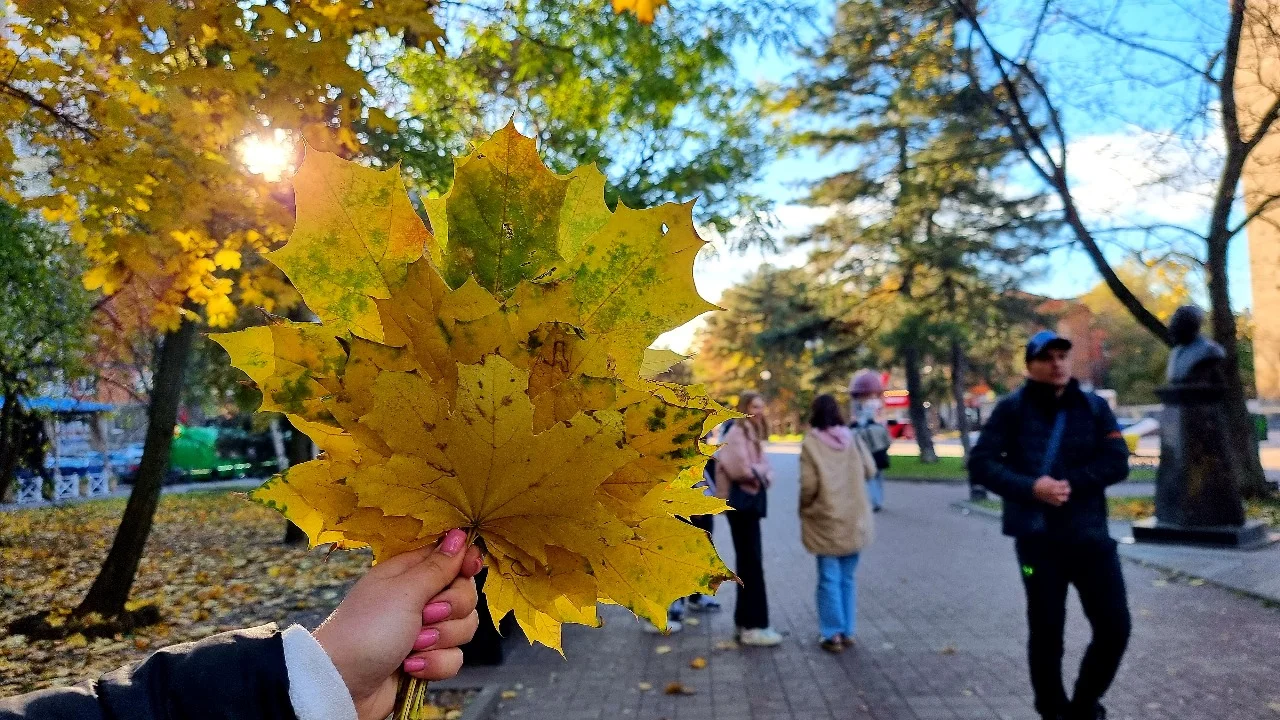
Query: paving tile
(941, 635)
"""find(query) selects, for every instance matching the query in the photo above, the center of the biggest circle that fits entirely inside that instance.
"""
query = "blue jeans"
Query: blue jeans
(837, 601)
(875, 490)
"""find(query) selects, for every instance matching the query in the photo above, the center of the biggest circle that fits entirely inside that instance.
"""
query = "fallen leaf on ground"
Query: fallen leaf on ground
(692, 622)
(645, 687)
(187, 565)
(662, 649)
(679, 688)
(1196, 582)
(948, 650)
(698, 663)
(1275, 707)
(726, 645)
(509, 694)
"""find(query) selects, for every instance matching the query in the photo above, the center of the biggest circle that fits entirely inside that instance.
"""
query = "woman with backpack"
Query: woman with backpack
(835, 516)
(743, 477)
(866, 395)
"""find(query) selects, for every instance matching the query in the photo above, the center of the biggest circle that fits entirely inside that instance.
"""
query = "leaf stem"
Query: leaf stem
(411, 698)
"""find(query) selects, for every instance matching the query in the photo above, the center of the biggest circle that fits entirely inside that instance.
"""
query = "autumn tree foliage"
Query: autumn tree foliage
(43, 325)
(127, 128)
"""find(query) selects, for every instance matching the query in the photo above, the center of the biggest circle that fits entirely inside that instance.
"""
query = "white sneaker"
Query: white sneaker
(673, 626)
(759, 637)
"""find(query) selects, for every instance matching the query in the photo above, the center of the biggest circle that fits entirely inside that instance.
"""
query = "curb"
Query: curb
(967, 507)
(481, 707)
(928, 480)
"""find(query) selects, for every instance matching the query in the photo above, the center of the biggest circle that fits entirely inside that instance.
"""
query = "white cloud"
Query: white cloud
(1143, 177)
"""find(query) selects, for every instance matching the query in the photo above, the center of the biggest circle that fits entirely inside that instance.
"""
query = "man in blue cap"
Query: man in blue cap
(1050, 449)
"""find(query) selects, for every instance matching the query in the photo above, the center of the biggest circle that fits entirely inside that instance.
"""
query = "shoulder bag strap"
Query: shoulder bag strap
(1055, 442)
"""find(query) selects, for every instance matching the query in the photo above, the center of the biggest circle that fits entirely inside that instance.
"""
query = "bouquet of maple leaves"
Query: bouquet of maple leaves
(493, 373)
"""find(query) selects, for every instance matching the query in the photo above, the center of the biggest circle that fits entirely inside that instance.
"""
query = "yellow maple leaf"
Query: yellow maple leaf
(356, 232)
(494, 378)
(644, 10)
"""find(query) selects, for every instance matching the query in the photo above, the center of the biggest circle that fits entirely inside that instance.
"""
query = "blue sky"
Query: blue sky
(1116, 124)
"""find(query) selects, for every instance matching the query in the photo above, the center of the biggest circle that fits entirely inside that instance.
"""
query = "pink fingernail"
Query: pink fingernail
(415, 665)
(426, 639)
(453, 542)
(435, 612)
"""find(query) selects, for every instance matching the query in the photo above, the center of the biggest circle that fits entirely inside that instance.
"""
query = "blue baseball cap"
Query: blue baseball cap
(1045, 340)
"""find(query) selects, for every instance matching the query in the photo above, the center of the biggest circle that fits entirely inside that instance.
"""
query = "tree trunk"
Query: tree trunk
(8, 447)
(111, 588)
(916, 410)
(958, 384)
(298, 450)
(1241, 437)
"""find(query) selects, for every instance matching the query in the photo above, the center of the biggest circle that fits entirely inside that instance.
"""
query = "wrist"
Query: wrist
(317, 688)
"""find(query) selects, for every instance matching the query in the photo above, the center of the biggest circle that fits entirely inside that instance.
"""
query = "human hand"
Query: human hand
(1052, 492)
(421, 602)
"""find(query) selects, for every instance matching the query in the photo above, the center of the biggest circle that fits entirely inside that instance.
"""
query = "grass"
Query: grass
(909, 467)
(1135, 508)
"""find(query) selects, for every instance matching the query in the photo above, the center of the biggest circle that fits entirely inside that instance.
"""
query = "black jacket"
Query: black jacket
(1010, 452)
(238, 674)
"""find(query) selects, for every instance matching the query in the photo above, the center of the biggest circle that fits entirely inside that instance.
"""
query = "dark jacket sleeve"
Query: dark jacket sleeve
(1110, 462)
(988, 462)
(239, 674)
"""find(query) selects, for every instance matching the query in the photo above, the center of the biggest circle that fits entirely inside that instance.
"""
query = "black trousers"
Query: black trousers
(1048, 567)
(752, 609)
(702, 522)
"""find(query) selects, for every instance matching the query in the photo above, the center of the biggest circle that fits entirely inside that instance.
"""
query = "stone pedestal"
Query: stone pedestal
(1197, 494)
(1253, 534)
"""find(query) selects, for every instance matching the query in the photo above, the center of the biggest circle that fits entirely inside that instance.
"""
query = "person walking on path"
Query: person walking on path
(835, 516)
(1050, 449)
(743, 477)
(866, 394)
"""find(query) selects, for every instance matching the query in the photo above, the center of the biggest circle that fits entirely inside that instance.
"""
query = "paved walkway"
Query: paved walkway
(940, 636)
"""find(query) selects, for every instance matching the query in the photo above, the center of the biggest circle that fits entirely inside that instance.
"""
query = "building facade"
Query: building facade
(1257, 90)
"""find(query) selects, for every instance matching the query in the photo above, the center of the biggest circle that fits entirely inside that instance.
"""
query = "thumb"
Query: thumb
(438, 569)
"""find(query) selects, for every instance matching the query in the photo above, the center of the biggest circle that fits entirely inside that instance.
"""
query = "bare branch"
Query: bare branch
(1148, 228)
(1029, 48)
(1031, 142)
(1256, 214)
(1264, 126)
(1205, 73)
(58, 116)
(1227, 84)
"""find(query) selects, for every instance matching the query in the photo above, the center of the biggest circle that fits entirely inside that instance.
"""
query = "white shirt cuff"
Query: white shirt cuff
(316, 690)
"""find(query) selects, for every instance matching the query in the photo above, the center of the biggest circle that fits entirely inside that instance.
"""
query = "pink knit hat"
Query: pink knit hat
(866, 382)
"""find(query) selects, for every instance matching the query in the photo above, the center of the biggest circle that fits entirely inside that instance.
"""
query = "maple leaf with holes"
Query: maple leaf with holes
(494, 374)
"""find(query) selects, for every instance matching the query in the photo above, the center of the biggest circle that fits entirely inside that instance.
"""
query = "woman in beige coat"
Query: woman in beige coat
(835, 515)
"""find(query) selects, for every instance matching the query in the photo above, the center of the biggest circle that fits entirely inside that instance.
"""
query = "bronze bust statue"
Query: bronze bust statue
(1195, 359)
(1197, 495)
